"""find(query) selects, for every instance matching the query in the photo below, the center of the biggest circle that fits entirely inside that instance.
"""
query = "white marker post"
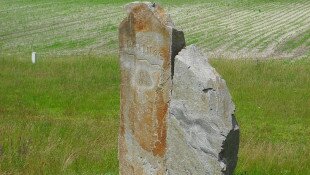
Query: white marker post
(33, 58)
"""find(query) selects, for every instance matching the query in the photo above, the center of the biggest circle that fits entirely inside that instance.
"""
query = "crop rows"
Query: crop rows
(68, 28)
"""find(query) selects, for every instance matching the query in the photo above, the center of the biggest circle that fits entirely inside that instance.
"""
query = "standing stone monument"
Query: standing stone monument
(203, 135)
(177, 116)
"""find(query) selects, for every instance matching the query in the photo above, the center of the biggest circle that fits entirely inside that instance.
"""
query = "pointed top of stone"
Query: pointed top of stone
(158, 11)
(193, 51)
(196, 61)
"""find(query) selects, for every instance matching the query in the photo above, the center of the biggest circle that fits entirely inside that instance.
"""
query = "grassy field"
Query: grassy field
(60, 116)
(223, 28)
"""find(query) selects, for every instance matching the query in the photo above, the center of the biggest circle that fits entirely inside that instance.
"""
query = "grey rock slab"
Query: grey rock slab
(203, 135)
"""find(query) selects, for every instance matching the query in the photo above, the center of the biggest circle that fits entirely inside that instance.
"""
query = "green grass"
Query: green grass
(60, 116)
(272, 99)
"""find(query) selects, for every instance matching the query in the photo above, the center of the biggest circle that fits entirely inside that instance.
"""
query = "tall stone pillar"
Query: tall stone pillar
(148, 43)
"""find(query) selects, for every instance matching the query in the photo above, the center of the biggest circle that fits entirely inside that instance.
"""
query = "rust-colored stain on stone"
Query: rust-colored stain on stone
(148, 125)
(140, 15)
(161, 113)
(165, 52)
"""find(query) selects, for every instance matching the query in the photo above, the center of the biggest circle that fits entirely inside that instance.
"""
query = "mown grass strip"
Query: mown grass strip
(221, 27)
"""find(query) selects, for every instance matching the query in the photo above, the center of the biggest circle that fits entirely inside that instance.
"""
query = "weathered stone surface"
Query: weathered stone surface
(148, 43)
(177, 116)
(203, 135)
